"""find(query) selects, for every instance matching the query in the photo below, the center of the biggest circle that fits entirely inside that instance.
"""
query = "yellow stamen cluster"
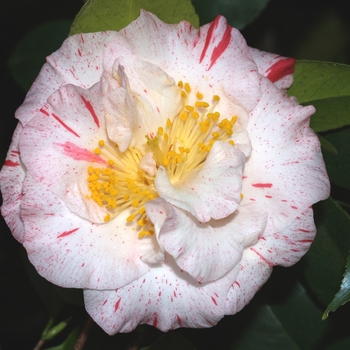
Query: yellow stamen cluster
(181, 146)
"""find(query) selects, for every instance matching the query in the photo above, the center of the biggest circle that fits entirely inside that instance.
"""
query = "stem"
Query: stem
(40, 343)
(83, 334)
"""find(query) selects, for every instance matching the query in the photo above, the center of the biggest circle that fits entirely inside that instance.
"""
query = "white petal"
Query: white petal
(57, 146)
(285, 173)
(206, 251)
(11, 179)
(215, 191)
(274, 248)
(146, 99)
(75, 253)
(165, 298)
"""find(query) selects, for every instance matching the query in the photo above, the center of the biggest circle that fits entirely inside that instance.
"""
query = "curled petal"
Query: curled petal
(145, 100)
(277, 69)
(204, 196)
(206, 251)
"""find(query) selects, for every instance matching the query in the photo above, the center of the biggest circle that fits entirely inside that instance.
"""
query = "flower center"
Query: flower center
(181, 147)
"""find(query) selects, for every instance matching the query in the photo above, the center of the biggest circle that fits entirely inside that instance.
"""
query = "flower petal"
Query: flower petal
(204, 196)
(11, 179)
(206, 251)
(79, 61)
(165, 298)
(274, 248)
(75, 253)
(57, 146)
(291, 174)
(276, 68)
(214, 56)
(146, 99)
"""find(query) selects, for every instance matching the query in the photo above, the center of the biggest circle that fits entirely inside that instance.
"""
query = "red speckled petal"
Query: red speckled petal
(285, 173)
(277, 69)
(166, 298)
(57, 146)
(214, 59)
(73, 252)
(274, 248)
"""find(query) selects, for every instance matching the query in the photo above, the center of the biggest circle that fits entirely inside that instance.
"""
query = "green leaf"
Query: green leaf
(237, 12)
(29, 55)
(170, 341)
(69, 343)
(101, 15)
(327, 146)
(324, 263)
(289, 320)
(338, 166)
(327, 87)
(343, 295)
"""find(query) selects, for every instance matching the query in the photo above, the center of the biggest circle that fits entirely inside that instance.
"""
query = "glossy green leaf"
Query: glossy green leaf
(327, 146)
(101, 15)
(288, 320)
(326, 86)
(338, 166)
(29, 55)
(343, 295)
(237, 12)
(170, 341)
(324, 263)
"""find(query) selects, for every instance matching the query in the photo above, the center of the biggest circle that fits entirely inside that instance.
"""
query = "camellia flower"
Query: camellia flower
(164, 170)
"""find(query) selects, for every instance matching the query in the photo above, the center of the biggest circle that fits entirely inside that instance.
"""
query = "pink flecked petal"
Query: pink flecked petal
(274, 248)
(206, 251)
(75, 253)
(166, 298)
(11, 179)
(203, 196)
(202, 57)
(80, 61)
(277, 69)
(57, 146)
(286, 151)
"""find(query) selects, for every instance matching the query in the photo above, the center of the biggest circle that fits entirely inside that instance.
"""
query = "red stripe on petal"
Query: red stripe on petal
(90, 108)
(280, 69)
(10, 163)
(155, 321)
(213, 25)
(78, 153)
(65, 125)
(44, 112)
(262, 185)
(116, 306)
(220, 49)
(214, 301)
(179, 320)
(262, 257)
(67, 233)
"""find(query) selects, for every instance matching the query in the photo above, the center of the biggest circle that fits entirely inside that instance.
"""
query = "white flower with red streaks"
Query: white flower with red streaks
(164, 170)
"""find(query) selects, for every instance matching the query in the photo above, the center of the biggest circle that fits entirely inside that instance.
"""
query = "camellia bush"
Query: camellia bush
(162, 169)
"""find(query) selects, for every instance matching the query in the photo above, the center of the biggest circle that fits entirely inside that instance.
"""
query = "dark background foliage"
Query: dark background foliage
(304, 29)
